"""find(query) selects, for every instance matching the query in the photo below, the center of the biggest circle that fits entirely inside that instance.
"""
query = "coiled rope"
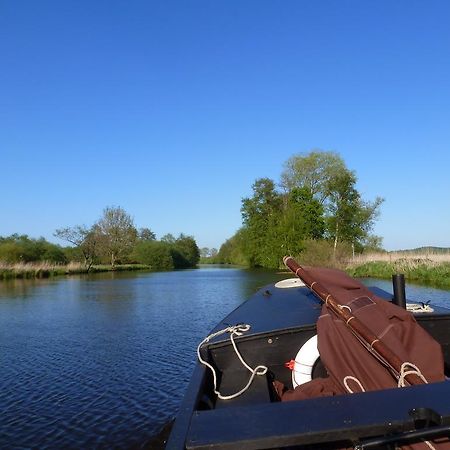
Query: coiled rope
(235, 330)
(406, 369)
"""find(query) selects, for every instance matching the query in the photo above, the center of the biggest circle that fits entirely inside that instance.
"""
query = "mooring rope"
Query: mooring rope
(236, 330)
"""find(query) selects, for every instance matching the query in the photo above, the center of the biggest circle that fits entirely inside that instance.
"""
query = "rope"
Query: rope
(406, 369)
(236, 330)
(349, 377)
(419, 308)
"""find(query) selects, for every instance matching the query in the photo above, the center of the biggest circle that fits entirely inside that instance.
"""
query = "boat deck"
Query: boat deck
(281, 321)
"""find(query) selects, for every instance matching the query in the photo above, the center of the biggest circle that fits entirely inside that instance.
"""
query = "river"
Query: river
(102, 361)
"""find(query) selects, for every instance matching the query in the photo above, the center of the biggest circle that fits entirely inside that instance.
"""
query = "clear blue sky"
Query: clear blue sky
(172, 109)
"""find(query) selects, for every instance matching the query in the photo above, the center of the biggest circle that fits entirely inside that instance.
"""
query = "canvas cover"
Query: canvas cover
(350, 366)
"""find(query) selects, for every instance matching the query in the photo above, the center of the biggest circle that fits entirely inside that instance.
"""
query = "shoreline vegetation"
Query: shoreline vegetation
(418, 267)
(47, 269)
(427, 268)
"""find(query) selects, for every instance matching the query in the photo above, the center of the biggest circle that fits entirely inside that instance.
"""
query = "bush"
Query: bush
(156, 254)
(321, 253)
(22, 249)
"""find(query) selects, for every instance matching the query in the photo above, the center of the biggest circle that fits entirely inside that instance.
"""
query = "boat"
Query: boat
(270, 340)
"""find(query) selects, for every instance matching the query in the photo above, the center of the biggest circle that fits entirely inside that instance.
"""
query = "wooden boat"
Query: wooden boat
(282, 319)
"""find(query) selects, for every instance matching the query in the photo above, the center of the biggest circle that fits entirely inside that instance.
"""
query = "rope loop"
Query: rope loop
(234, 330)
(349, 377)
(408, 368)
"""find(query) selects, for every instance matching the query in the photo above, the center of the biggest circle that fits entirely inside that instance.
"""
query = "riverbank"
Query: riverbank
(427, 269)
(421, 268)
(46, 270)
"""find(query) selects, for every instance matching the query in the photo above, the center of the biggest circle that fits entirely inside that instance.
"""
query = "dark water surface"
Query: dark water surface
(103, 361)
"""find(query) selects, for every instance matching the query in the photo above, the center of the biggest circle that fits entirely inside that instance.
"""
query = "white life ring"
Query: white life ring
(304, 362)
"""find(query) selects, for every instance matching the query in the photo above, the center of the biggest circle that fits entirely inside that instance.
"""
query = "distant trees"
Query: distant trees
(116, 233)
(145, 234)
(113, 236)
(318, 201)
(206, 252)
(156, 254)
(23, 249)
(115, 239)
(168, 253)
(185, 252)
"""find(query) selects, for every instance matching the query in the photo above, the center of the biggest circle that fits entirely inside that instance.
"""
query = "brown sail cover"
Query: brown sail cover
(347, 360)
(344, 356)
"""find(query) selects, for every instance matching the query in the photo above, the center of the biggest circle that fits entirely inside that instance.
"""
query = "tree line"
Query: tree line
(112, 240)
(314, 207)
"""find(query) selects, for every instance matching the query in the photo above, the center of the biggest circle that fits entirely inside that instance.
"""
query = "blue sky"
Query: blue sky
(172, 109)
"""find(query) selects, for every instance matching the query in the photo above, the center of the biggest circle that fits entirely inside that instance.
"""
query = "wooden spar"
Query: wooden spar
(367, 338)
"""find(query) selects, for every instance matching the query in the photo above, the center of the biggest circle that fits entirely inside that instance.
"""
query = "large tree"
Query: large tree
(350, 218)
(261, 215)
(320, 201)
(313, 171)
(117, 233)
(302, 219)
(185, 252)
(85, 239)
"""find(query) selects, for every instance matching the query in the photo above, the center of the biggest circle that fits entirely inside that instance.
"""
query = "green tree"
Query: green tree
(156, 254)
(373, 243)
(261, 215)
(23, 249)
(232, 250)
(350, 218)
(116, 232)
(86, 240)
(302, 219)
(320, 201)
(185, 252)
(313, 171)
(169, 238)
(145, 234)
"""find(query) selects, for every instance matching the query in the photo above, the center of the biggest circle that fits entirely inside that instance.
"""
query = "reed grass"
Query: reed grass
(424, 268)
(46, 269)
(38, 270)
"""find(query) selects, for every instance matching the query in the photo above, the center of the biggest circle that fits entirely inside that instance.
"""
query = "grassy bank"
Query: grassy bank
(46, 270)
(423, 268)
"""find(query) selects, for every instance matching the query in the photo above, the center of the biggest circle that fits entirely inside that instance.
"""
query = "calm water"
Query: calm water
(103, 361)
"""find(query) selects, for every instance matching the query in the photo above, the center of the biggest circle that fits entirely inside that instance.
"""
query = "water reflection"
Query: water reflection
(103, 360)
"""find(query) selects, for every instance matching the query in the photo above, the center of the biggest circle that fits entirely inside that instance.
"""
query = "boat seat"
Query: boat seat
(260, 391)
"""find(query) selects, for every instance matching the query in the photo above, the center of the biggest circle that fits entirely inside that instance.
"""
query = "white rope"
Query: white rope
(406, 369)
(430, 445)
(236, 330)
(419, 308)
(349, 377)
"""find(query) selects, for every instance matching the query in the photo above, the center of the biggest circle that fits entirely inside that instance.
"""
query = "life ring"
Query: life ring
(304, 362)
